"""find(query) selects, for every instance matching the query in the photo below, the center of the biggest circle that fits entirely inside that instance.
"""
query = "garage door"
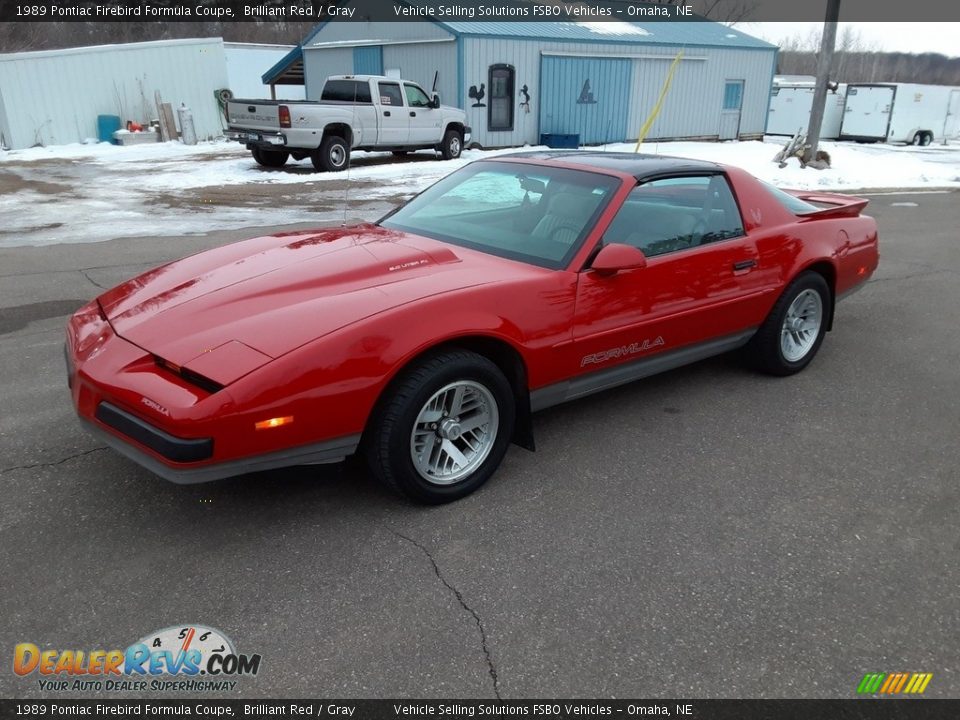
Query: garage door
(586, 96)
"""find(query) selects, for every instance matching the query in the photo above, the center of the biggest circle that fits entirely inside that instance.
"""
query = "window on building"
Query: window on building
(733, 95)
(415, 96)
(674, 214)
(500, 108)
(390, 94)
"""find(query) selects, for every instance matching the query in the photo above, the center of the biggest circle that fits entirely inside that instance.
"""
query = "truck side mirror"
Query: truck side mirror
(435, 101)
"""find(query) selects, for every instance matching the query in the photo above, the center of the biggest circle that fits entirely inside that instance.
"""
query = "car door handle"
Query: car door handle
(386, 113)
(744, 265)
(412, 114)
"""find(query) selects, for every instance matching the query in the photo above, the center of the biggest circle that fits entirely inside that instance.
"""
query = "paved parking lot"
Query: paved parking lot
(706, 533)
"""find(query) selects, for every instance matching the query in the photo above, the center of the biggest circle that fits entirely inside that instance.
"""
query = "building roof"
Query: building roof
(684, 33)
(637, 164)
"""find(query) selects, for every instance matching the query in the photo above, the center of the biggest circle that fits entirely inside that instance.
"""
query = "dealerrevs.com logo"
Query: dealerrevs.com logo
(187, 658)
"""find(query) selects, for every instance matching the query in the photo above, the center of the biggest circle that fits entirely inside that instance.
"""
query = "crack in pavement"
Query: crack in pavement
(911, 276)
(92, 281)
(491, 668)
(4, 471)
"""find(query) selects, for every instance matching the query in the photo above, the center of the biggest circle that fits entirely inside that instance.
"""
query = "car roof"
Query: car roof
(637, 164)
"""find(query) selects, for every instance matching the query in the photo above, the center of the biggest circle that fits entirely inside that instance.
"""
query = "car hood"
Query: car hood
(224, 312)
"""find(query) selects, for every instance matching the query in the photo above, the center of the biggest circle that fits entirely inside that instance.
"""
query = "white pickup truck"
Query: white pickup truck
(355, 112)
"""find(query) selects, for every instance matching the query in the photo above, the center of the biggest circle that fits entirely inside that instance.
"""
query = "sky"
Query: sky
(890, 37)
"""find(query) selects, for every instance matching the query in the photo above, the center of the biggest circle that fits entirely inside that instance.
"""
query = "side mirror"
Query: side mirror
(435, 101)
(615, 257)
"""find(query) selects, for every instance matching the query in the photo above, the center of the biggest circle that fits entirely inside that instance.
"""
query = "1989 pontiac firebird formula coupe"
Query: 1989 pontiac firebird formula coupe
(426, 340)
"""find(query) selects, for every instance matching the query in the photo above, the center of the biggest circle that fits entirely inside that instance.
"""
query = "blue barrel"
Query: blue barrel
(107, 125)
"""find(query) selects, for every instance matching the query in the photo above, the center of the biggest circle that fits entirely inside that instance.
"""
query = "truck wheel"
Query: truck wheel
(443, 429)
(452, 145)
(270, 158)
(333, 155)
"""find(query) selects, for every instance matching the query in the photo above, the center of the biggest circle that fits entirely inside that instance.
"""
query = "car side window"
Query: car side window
(670, 214)
(390, 94)
(416, 97)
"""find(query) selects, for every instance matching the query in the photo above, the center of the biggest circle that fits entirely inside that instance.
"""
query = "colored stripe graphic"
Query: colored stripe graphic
(894, 683)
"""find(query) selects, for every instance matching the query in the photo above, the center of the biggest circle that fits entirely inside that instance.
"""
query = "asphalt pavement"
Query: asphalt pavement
(709, 532)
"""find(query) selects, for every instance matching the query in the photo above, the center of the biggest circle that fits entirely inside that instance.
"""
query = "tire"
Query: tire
(452, 145)
(270, 158)
(778, 351)
(917, 139)
(333, 155)
(419, 410)
(926, 138)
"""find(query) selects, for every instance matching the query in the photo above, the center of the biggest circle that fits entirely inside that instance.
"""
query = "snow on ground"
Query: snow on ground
(94, 192)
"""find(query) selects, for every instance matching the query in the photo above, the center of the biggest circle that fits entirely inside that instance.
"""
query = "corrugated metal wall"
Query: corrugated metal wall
(368, 60)
(247, 62)
(585, 96)
(692, 108)
(54, 97)
(417, 62)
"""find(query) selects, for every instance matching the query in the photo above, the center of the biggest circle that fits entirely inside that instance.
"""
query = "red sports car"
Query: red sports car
(427, 340)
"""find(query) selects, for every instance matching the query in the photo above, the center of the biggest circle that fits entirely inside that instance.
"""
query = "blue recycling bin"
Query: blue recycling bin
(107, 125)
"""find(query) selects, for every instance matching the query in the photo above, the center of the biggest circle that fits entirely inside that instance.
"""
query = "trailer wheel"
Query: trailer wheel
(926, 138)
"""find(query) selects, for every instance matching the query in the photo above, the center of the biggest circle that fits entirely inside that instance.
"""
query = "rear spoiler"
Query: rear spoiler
(839, 205)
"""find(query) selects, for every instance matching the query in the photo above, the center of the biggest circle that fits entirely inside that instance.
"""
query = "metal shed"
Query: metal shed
(598, 80)
(53, 97)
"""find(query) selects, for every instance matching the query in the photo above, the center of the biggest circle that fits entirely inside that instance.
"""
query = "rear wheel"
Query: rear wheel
(792, 333)
(452, 145)
(926, 138)
(443, 429)
(333, 154)
(270, 158)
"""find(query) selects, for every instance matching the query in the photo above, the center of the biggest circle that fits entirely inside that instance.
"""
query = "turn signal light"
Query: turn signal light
(273, 422)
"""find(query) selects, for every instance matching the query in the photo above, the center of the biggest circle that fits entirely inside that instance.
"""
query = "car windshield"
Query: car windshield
(531, 213)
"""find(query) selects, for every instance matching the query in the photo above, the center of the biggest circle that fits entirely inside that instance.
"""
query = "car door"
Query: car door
(394, 118)
(424, 120)
(700, 289)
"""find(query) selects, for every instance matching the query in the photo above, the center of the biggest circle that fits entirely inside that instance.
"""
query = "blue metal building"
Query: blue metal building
(518, 80)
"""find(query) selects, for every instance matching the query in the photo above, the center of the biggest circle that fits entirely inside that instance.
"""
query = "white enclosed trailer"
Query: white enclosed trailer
(791, 99)
(901, 113)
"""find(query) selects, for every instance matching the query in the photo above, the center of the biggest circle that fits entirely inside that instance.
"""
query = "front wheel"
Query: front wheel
(452, 145)
(270, 158)
(443, 429)
(792, 333)
(333, 155)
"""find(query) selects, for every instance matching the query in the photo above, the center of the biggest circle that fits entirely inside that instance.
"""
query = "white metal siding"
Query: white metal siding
(692, 107)
(54, 97)
(318, 64)
(419, 62)
(246, 63)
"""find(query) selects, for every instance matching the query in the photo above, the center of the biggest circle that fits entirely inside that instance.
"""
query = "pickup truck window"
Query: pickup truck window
(415, 96)
(390, 94)
(346, 91)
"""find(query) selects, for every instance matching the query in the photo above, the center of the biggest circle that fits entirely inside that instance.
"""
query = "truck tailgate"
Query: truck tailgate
(254, 114)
